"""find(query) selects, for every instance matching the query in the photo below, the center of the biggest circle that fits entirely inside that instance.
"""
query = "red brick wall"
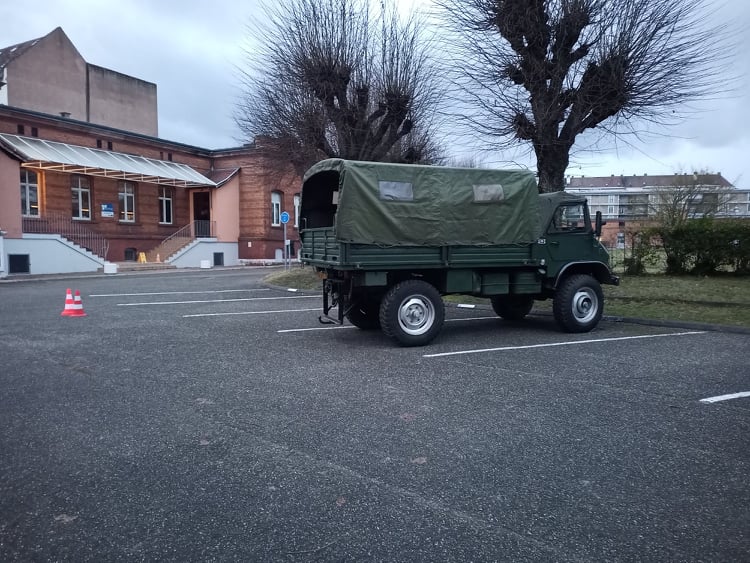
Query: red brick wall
(258, 178)
(144, 234)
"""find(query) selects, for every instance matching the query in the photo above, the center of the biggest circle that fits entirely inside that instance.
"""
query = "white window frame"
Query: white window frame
(81, 194)
(126, 201)
(275, 209)
(166, 205)
(296, 209)
(27, 188)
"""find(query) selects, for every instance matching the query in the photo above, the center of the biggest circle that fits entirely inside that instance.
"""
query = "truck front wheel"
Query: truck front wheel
(512, 307)
(578, 303)
(412, 313)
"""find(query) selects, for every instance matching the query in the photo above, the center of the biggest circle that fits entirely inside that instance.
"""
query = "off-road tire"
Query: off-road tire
(578, 303)
(512, 307)
(412, 313)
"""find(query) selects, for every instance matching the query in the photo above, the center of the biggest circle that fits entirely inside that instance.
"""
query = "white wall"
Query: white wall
(50, 254)
(204, 250)
(3, 260)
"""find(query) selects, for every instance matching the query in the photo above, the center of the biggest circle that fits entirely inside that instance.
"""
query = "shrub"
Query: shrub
(706, 246)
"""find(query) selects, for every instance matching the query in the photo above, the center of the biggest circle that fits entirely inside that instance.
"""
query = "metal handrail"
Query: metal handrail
(181, 237)
(192, 230)
(75, 231)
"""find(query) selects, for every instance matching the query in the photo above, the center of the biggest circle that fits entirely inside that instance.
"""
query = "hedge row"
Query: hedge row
(704, 246)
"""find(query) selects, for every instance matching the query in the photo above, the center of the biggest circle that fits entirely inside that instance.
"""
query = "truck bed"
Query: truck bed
(320, 248)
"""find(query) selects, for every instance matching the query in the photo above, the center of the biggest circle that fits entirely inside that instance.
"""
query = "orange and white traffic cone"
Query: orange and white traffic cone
(73, 305)
(78, 305)
(69, 304)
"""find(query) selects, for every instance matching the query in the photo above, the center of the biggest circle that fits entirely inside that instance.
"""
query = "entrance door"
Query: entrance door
(202, 213)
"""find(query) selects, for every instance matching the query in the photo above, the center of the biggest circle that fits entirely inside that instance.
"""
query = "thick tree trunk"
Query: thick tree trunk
(551, 165)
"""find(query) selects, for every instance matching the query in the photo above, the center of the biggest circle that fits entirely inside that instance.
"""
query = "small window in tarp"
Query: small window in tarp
(396, 191)
(488, 193)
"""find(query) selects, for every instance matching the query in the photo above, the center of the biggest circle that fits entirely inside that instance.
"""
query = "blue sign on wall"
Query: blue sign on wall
(108, 210)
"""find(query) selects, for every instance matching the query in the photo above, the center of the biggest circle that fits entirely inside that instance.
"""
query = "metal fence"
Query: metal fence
(75, 231)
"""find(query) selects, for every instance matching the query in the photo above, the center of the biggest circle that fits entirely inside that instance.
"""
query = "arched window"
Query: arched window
(81, 197)
(166, 197)
(296, 210)
(126, 201)
(275, 209)
(29, 193)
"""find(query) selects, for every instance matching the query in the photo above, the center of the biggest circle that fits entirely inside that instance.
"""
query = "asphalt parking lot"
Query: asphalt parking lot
(204, 416)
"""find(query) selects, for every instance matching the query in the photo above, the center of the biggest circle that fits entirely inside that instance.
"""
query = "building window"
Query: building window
(98, 143)
(81, 197)
(126, 200)
(275, 209)
(20, 129)
(29, 193)
(165, 205)
(296, 210)
(34, 132)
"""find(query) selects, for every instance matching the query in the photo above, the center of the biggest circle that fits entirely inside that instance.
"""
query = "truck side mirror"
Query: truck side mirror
(599, 224)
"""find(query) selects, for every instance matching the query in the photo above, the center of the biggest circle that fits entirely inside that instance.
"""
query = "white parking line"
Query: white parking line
(174, 292)
(247, 313)
(551, 344)
(726, 397)
(146, 303)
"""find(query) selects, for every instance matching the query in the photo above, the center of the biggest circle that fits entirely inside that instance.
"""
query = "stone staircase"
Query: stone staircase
(167, 248)
(180, 240)
(139, 267)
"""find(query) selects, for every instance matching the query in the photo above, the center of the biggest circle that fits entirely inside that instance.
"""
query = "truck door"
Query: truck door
(569, 236)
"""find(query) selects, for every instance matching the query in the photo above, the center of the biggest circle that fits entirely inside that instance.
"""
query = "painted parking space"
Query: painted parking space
(566, 447)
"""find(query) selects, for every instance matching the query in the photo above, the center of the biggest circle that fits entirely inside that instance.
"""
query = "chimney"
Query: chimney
(65, 114)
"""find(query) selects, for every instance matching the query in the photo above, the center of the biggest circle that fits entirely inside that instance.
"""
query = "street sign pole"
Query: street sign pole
(284, 220)
(286, 250)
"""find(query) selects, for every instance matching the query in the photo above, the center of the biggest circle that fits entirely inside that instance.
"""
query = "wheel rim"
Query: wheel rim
(585, 305)
(416, 315)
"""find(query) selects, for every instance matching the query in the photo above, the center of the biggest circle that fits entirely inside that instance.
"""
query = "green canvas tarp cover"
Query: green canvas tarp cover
(407, 205)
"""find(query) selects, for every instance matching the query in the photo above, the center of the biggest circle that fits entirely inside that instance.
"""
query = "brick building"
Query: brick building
(78, 189)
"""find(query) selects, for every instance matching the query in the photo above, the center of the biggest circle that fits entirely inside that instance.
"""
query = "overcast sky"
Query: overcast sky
(191, 50)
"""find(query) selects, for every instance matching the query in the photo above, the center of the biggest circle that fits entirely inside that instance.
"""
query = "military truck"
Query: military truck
(390, 240)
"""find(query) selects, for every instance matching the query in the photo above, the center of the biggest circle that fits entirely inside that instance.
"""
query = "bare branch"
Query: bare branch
(336, 78)
(545, 71)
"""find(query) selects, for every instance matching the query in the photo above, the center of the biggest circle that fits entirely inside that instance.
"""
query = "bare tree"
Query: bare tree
(339, 78)
(700, 194)
(544, 71)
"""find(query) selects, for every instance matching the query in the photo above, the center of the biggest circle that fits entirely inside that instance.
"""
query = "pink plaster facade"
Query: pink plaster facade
(10, 199)
(225, 210)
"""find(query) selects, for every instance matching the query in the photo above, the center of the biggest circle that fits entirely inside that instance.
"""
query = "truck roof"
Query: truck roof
(406, 205)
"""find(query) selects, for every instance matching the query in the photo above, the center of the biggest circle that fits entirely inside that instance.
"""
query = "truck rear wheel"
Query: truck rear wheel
(412, 313)
(578, 303)
(365, 314)
(512, 307)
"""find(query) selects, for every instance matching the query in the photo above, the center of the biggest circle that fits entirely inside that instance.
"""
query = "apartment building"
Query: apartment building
(640, 198)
